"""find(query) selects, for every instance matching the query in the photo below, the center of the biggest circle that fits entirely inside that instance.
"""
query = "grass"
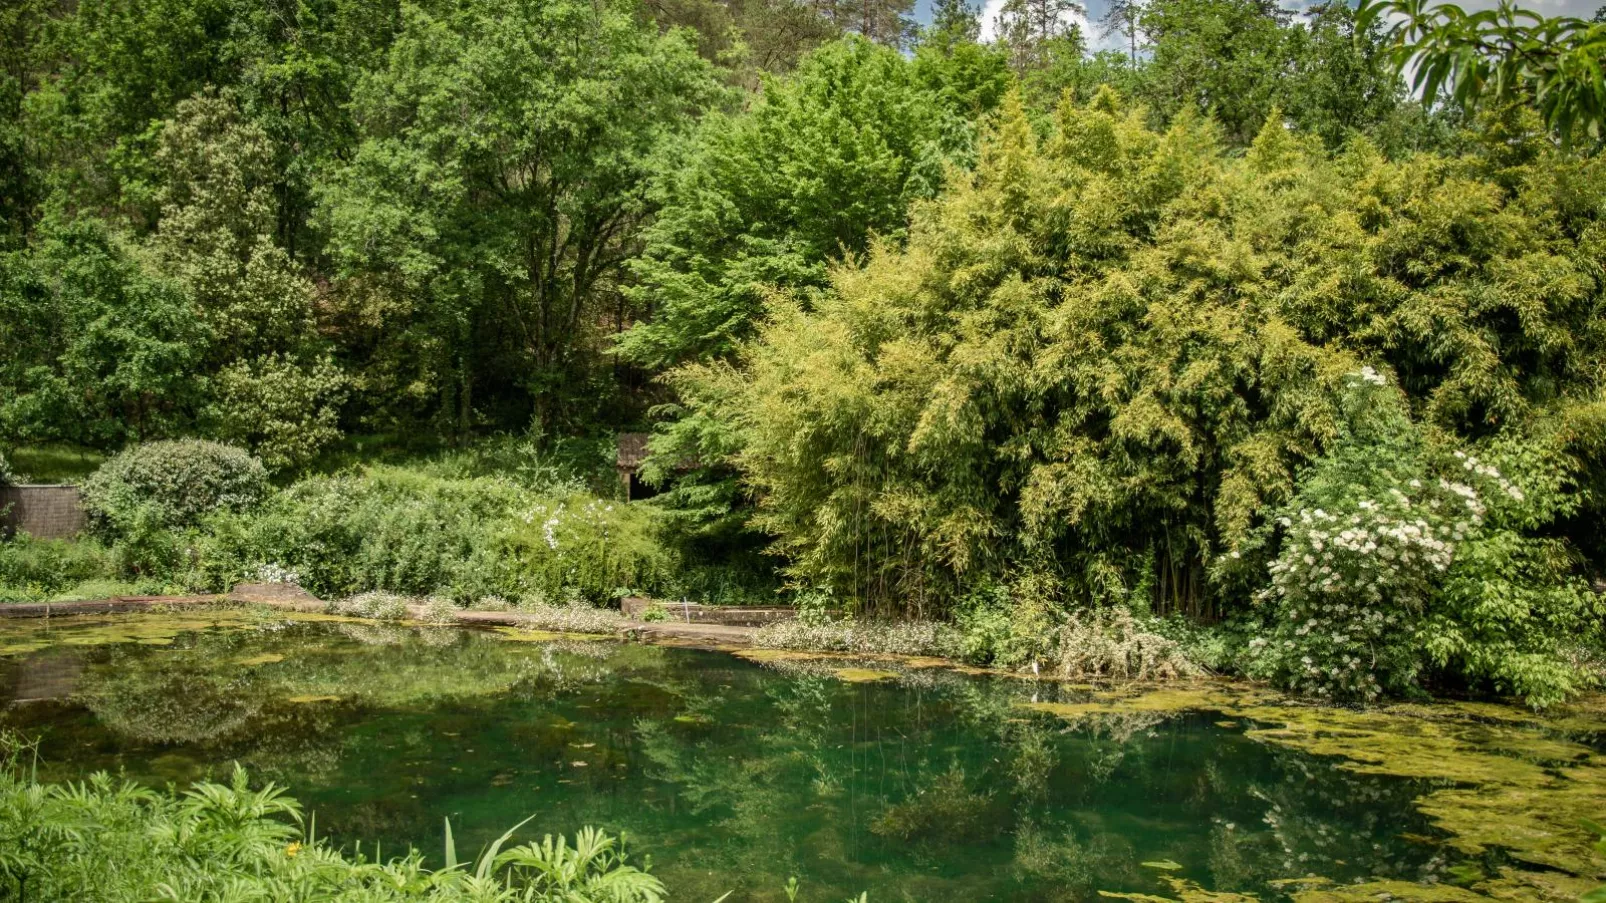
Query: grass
(53, 463)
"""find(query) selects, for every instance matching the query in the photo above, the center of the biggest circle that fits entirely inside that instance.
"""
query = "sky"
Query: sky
(1096, 8)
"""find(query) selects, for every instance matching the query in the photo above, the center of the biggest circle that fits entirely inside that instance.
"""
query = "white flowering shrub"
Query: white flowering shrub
(273, 572)
(590, 548)
(376, 604)
(1397, 559)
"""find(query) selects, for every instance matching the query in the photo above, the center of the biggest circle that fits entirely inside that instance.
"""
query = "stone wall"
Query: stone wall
(43, 512)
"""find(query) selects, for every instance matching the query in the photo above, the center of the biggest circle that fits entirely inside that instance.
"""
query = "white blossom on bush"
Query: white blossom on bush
(273, 572)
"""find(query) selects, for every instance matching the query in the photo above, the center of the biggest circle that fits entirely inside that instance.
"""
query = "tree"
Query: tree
(759, 201)
(1105, 357)
(955, 20)
(100, 349)
(1227, 58)
(1038, 31)
(1500, 55)
(1124, 17)
(21, 38)
(481, 228)
(1341, 82)
(823, 162)
(277, 388)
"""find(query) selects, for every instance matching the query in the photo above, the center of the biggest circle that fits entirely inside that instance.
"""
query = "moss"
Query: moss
(1184, 890)
(543, 636)
(1374, 891)
(1509, 779)
(863, 675)
(310, 698)
(266, 658)
(19, 636)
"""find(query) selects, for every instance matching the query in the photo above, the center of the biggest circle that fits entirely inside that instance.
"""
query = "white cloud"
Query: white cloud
(989, 21)
(1583, 9)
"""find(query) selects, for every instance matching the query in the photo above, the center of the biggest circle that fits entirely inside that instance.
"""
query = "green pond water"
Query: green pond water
(912, 783)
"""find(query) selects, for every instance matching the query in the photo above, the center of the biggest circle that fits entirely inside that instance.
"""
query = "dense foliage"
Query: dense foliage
(196, 516)
(1497, 55)
(175, 483)
(109, 840)
(1111, 353)
(994, 332)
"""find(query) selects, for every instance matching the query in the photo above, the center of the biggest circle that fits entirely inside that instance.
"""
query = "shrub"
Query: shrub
(576, 617)
(411, 533)
(6, 475)
(1109, 643)
(377, 604)
(39, 569)
(438, 611)
(1396, 558)
(179, 482)
(874, 637)
(230, 841)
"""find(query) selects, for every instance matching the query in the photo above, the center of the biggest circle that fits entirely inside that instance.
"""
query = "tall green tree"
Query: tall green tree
(763, 199)
(277, 389)
(1124, 18)
(1040, 32)
(100, 349)
(481, 228)
(1106, 355)
(820, 164)
(1226, 58)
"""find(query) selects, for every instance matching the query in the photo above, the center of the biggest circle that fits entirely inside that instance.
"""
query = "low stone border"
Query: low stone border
(297, 599)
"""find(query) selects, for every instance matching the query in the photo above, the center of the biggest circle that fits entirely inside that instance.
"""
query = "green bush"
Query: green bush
(38, 569)
(173, 484)
(1399, 559)
(407, 532)
(116, 841)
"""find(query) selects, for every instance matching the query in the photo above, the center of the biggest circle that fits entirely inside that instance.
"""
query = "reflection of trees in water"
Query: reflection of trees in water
(51, 674)
(179, 697)
(777, 772)
(1108, 738)
(375, 634)
(944, 811)
(1063, 869)
(1321, 819)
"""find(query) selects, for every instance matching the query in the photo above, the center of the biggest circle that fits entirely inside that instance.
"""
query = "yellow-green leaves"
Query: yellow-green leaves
(1111, 348)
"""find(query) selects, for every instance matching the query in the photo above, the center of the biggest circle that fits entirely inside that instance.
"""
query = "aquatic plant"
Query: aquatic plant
(1109, 643)
(863, 636)
(376, 604)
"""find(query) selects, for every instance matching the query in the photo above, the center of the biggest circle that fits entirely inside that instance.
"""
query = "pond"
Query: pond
(908, 779)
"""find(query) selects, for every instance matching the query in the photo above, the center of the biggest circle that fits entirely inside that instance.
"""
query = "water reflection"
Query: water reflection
(913, 783)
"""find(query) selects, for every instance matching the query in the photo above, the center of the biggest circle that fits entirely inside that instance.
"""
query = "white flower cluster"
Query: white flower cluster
(273, 572)
(594, 515)
(1345, 585)
(1489, 472)
(1370, 376)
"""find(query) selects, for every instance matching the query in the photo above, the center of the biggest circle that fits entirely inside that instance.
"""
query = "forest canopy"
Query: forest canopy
(1058, 318)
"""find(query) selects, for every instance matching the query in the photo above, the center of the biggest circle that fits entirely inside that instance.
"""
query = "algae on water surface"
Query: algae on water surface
(1506, 781)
